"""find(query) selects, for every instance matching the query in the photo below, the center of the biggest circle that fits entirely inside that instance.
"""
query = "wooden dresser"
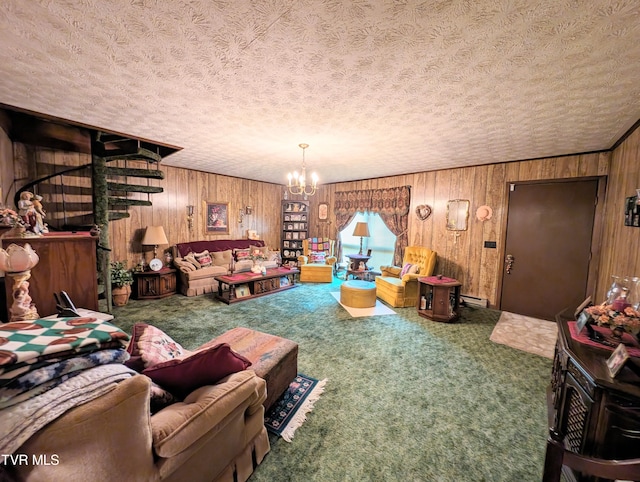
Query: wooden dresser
(67, 263)
(592, 413)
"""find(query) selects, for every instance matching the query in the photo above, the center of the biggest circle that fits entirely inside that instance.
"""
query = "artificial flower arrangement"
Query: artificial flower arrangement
(616, 316)
(8, 217)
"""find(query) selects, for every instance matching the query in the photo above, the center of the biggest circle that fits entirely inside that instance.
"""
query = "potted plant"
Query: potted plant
(121, 280)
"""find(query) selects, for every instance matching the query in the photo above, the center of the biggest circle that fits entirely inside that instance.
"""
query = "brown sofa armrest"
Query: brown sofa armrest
(393, 271)
(331, 260)
(178, 426)
(303, 260)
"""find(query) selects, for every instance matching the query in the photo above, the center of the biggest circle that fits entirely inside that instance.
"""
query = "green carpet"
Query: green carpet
(407, 399)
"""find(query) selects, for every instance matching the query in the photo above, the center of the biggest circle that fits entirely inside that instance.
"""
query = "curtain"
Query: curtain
(391, 204)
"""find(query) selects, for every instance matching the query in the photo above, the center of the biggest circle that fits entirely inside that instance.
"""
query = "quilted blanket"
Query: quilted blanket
(25, 345)
(21, 421)
(44, 378)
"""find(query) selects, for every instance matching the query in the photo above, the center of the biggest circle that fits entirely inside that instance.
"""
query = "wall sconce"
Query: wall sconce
(190, 216)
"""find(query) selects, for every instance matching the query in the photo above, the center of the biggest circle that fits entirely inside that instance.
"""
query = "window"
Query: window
(381, 242)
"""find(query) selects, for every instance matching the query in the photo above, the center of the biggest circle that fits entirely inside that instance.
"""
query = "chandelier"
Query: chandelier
(298, 182)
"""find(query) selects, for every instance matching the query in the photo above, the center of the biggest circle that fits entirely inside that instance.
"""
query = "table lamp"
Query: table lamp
(154, 236)
(17, 261)
(362, 230)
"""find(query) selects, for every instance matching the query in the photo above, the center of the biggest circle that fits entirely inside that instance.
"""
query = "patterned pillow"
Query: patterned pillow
(405, 269)
(150, 346)
(191, 258)
(242, 254)
(160, 398)
(263, 249)
(317, 257)
(204, 258)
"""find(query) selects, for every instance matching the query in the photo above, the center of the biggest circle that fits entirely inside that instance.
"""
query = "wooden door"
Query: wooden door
(549, 233)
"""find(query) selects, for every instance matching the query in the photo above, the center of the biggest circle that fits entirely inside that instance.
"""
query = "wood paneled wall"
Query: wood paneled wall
(184, 187)
(621, 244)
(465, 257)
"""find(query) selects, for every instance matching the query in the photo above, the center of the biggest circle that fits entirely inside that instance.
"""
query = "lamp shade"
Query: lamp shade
(16, 258)
(362, 229)
(154, 236)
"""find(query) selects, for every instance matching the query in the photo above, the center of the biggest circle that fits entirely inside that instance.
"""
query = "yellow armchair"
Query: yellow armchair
(317, 271)
(401, 292)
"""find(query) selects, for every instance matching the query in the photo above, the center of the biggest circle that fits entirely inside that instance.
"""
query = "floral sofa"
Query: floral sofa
(199, 262)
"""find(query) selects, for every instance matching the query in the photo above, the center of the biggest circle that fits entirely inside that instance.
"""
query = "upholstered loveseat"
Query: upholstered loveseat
(398, 285)
(194, 279)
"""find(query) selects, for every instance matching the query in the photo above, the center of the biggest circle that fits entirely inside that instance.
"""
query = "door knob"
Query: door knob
(509, 261)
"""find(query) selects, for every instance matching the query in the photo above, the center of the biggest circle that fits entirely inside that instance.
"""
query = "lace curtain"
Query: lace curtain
(391, 204)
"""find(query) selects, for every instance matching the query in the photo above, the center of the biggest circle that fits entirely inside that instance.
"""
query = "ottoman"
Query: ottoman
(272, 358)
(358, 294)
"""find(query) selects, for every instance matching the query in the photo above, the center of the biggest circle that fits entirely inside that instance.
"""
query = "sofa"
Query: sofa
(398, 285)
(214, 433)
(317, 261)
(199, 262)
(196, 416)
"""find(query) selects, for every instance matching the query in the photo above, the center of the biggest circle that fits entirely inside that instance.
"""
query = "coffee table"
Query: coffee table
(244, 286)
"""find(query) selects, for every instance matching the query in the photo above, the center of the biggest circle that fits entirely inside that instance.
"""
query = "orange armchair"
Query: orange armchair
(321, 271)
(401, 292)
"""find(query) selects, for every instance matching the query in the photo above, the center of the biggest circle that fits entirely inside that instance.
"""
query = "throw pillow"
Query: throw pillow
(150, 345)
(263, 249)
(191, 258)
(160, 398)
(415, 269)
(183, 265)
(204, 258)
(222, 258)
(182, 376)
(242, 254)
(405, 269)
(317, 257)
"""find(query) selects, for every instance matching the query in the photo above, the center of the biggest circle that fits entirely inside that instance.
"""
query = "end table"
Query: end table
(439, 298)
(151, 285)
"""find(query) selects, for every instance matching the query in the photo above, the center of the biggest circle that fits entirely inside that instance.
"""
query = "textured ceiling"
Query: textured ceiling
(376, 88)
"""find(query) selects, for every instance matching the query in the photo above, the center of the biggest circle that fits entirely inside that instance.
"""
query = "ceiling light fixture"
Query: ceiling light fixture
(299, 184)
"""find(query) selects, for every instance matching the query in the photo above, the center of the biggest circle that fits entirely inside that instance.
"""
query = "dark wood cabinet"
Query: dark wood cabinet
(67, 263)
(151, 285)
(590, 412)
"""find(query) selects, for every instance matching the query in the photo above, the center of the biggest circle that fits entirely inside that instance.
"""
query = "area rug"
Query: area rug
(379, 309)
(527, 334)
(290, 412)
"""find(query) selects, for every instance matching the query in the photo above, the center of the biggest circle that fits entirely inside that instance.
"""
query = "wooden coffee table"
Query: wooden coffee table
(244, 286)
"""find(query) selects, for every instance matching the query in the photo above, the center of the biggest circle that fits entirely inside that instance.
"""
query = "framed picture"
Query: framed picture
(216, 218)
(617, 360)
(323, 211)
(242, 291)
